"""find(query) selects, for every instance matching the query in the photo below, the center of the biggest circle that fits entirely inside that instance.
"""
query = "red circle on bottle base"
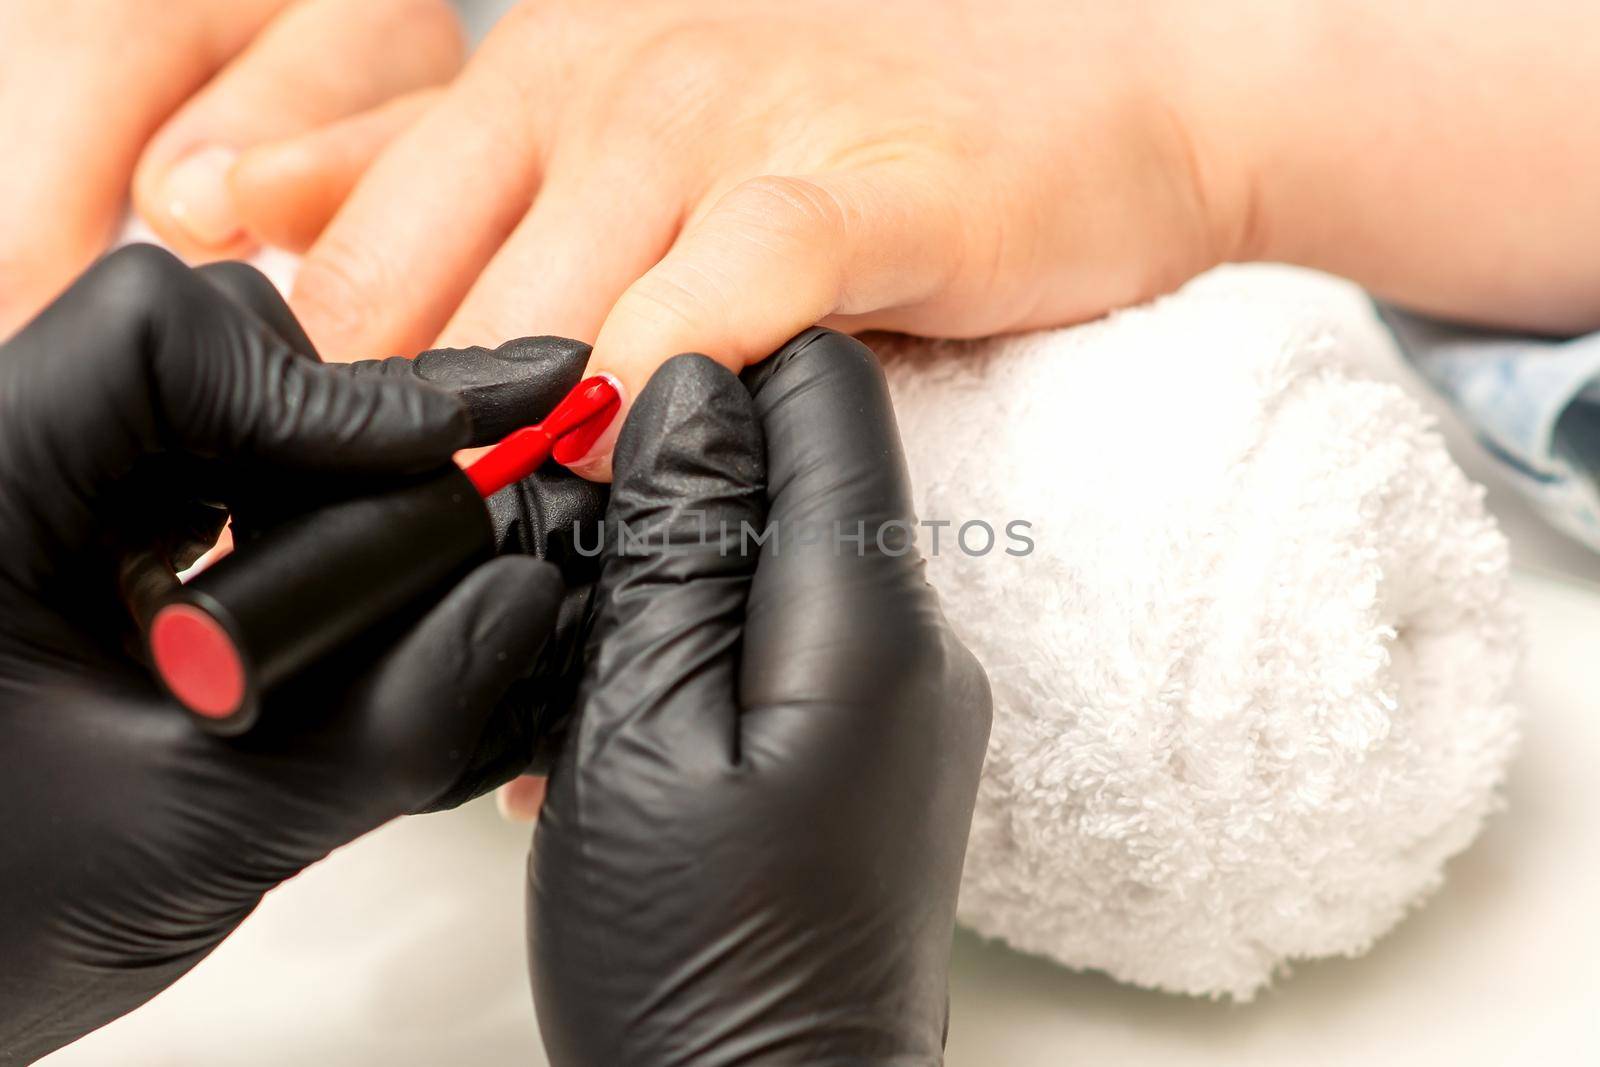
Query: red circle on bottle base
(197, 660)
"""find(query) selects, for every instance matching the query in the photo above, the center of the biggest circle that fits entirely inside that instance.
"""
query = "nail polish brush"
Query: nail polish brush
(311, 585)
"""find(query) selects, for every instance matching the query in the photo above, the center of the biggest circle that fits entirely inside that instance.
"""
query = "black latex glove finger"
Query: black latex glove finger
(185, 529)
(432, 695)
(502, 388)
(553, 515)
(523, 692)
(254, 291)
(838, 481)
(842, 607)
(687, 495)
(142, 358)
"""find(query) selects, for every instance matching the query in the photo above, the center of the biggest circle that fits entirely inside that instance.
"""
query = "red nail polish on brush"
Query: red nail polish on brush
(314, 584)
(570, 430)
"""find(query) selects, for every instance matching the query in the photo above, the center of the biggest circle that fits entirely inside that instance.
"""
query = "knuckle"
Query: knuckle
(559, 32)
(662, 87)
(675, 299)
(795, 208)
(683, 61)
(431, 24)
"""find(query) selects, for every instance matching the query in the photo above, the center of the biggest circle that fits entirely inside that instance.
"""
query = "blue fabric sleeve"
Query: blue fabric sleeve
(1533, 402)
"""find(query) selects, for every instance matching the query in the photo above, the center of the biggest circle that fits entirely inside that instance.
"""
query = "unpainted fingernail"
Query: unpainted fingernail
(198, 199)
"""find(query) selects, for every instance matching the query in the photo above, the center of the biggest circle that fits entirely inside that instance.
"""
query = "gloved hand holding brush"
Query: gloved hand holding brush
(135, 843)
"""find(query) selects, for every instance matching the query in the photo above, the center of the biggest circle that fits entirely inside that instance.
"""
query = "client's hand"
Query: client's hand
(711, 177)
(130, 842)
(179, 91)
(755, 827)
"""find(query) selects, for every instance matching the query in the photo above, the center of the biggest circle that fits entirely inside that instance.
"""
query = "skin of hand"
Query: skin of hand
(754, 831)
(134, 842)
(690, 175)
(698, 176)
(169, 98)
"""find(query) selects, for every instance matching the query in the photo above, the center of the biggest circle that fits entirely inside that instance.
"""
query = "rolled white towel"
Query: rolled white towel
(1251, 684)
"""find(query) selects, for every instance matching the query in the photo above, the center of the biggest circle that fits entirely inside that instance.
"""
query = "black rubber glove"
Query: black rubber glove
(753, 836)
(132, 843)
(554, 515)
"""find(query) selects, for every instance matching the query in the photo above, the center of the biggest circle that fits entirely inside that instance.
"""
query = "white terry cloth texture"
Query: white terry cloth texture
(1251, 686)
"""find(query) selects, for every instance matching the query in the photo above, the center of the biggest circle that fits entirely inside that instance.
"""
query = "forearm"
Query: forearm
(1443, 153)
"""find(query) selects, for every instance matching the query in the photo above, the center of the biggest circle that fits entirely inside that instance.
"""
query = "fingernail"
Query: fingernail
(520, 799)
(586, 448)
(198, 199)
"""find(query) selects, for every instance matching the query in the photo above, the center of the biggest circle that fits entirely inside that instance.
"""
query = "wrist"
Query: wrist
(1233, 75)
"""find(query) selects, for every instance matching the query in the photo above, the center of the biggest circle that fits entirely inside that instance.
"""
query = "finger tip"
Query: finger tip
(520, 800)
(190, 203)
(588, 455)
(595, 468)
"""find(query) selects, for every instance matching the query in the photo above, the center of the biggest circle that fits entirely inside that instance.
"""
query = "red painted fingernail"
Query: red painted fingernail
(575, 445)
(571, 428)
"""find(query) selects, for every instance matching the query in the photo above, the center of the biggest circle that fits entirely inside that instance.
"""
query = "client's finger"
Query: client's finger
(398, 257)
(321, 60)
(521, 799)
(772, 257)
(598, 224)
(73, 124)
(287, 191)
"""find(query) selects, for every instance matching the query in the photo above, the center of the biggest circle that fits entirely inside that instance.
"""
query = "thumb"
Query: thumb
(689, 490)
(143, 357)
(770, 258)
(222, 382)
(502, 388)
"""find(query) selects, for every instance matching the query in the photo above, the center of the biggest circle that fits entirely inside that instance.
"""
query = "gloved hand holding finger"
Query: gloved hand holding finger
(754, 831)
